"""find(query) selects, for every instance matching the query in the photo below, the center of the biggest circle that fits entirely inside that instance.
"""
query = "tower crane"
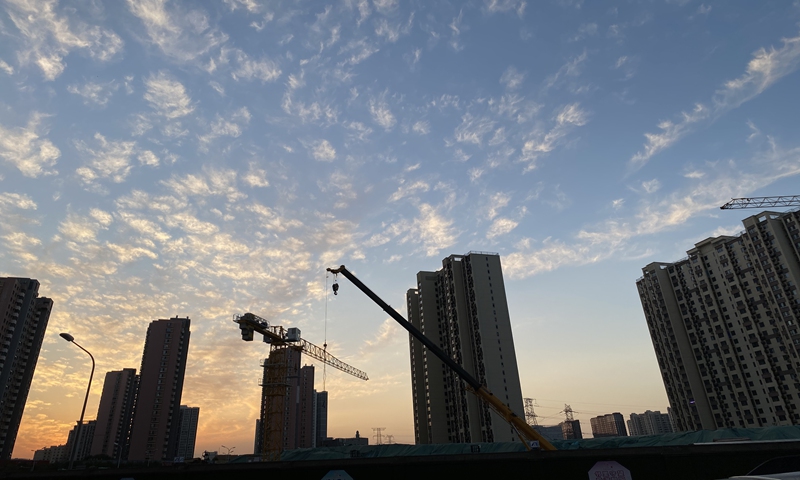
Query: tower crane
(526, 433)
(762, 202)
(278, 368)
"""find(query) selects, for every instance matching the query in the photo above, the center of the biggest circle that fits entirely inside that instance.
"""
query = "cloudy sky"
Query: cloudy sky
(162, 158)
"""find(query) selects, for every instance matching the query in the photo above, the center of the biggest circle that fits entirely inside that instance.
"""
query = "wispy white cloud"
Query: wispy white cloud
(511, 78)
(26, 150)
(381, 114)
(182, 35)
(6, 68)
(231, 127)
(323, 151)
(655, 214)
(502, 6)
(255, 177)
(433, 230)
(413, 189)
(94, 93)
(765, 68)
(540, 143)
(651, 186)
(356, 51)
(265, 69)
(422, 127)
(472, 129)
(110, 159)
(49, 36)
(167, 96)
(571, 69)
(393, 31)
(501, 226)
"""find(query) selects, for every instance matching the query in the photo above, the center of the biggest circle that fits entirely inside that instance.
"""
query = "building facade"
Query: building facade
(188, 432)
(723, 322)
(115, 413)
(321, 417)
(24, 321)
(155, 427)
(82, 445)
(463, 309)
(54, 454)
(610, 425)
(649, 423)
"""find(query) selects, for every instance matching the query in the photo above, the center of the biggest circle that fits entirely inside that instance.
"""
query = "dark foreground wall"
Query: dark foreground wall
(701, 462)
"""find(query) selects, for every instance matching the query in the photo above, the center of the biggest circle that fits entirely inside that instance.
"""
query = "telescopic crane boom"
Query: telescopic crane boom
(762, 202)
(525, 431)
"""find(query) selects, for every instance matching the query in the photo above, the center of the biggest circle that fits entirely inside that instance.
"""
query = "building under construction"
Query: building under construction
(293, 414)
(289, 403)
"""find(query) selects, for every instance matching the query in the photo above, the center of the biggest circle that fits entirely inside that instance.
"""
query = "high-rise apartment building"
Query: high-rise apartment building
(610, 425)
(24, 321)
(155, 427)
(188, 432)
(462, 308)
(723, 322)
(649, 423)
(115, 413)
(321, 417)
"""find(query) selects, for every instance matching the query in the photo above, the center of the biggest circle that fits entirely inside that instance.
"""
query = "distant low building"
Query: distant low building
(358, 440)
(54, 454)
(649, 423)
(551, 433)
(610, 425)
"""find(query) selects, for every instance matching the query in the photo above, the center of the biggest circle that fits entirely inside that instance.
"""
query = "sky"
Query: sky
(163, 158)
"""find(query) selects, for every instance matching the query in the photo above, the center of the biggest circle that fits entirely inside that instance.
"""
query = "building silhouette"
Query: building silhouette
(24, 321)
(155, 427)
(724, 326)
(610, 425)
(115, 413)
(649, 423)
(82, 445)
(188, 432)
(300, 413)
(571, 429)
(321, 417)
(462, 308)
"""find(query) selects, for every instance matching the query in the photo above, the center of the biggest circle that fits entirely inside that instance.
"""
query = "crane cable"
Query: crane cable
(325, 345)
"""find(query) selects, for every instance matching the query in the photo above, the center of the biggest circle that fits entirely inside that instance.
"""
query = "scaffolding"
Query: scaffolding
(279, 368)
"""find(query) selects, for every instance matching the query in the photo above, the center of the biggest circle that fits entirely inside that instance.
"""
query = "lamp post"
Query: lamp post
(71, 339)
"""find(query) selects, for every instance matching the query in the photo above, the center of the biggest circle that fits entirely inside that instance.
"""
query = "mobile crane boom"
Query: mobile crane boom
(525, 431)
(762, 202)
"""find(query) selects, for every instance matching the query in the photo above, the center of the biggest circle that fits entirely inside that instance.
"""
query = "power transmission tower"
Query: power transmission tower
(378, 435)
(530, 413)
(568, 412)
(389, 439)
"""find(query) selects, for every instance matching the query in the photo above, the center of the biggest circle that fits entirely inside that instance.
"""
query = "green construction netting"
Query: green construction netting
(670, 439)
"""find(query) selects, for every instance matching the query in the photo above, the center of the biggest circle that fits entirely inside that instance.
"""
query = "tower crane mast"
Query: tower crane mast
(762, 202)
(278, 369)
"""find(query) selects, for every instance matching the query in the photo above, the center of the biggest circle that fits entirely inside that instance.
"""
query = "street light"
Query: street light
(71, 339)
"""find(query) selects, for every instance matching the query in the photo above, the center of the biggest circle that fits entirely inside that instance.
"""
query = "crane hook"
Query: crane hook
(335, 288)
